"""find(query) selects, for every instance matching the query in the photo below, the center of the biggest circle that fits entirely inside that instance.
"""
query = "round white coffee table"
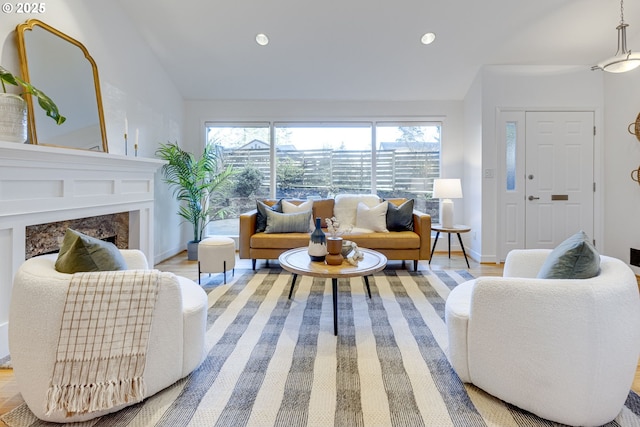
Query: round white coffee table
(297, 261)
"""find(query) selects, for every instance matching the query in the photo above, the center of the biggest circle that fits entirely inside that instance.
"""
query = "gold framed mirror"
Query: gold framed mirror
(63, 69)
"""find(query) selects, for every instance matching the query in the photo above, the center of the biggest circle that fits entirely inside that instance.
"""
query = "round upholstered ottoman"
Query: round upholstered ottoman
(216, 255)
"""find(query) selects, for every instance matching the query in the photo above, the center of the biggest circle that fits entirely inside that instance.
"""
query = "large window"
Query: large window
(322, 160)
(245, 146)
(317, 160)
(407, 162)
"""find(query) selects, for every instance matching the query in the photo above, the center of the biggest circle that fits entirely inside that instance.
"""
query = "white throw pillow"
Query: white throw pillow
(346, 205)
(288, 207)
(374, 218)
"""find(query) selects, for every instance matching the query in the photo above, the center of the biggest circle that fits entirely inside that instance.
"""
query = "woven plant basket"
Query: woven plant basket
(634, 128)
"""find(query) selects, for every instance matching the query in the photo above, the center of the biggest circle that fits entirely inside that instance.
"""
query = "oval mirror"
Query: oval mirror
(62, 68)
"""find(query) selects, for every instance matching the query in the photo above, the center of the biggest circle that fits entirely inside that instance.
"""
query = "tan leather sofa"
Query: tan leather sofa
(395, 245)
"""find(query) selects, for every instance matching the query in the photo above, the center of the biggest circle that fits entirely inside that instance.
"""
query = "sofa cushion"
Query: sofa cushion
(323, 209)
(575, 258)
(279, 240)
(400, 218)
(82, 253)
(346, 205)
(287, 222)
(372, 218)
(262, 207)
(401, 240)
(396, 240)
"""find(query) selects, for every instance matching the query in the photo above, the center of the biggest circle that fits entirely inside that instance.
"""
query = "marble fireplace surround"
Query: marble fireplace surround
(47, 238)
(40, 184)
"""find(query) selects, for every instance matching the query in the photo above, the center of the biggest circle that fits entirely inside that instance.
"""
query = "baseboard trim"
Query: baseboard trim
(168, 254)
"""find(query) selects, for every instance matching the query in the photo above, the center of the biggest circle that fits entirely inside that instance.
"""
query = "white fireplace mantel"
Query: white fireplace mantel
(40, 184)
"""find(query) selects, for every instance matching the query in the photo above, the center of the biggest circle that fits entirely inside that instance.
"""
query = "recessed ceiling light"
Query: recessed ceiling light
(428, 38)
(262, 39)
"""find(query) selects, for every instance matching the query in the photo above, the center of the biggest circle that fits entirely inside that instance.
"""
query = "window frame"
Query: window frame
(373, 124)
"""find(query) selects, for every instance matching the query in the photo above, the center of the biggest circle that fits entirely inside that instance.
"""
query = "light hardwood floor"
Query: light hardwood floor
(10, 396)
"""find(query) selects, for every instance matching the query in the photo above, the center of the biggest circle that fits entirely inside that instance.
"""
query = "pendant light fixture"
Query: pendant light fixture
(623, 60)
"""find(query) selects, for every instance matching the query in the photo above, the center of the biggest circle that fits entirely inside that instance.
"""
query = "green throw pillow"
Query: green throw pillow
(400, 218)
(288, 222)
(575, 258)
(80, 253)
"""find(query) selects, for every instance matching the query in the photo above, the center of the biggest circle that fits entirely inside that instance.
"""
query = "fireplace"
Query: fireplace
(46, 238)
(45, 185)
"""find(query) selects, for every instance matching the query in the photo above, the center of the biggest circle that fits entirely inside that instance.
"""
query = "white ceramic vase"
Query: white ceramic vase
(13, 118)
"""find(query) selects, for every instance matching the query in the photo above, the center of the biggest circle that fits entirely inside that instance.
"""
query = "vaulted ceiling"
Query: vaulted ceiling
(368, 49)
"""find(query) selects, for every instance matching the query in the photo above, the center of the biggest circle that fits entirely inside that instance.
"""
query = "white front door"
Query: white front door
(559, 184)
(547, 156)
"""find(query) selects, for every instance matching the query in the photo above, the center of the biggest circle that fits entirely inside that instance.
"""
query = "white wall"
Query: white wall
(535, 88)
(621, 156)
(472, 180)
(133, 85)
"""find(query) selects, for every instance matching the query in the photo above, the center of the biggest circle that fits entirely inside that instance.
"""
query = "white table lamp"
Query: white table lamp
(447, 189)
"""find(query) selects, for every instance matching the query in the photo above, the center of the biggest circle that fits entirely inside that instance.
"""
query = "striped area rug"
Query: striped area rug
(275, 362)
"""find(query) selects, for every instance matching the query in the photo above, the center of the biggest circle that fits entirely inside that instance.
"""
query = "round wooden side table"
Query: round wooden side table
(457, 229)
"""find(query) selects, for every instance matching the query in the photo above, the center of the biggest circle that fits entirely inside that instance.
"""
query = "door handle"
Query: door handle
(534, 198)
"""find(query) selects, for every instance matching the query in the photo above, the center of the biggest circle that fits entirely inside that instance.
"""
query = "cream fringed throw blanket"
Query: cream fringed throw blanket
(103, 341)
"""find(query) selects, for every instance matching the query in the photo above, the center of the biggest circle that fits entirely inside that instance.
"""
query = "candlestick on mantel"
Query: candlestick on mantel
(135, 146)
(126, 132)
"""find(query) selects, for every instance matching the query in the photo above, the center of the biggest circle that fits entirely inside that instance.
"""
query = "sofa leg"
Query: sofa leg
(253, 263)
(415, 265)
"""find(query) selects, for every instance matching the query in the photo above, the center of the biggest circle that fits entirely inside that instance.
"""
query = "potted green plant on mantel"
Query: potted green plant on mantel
(198, 184)
(13, 120)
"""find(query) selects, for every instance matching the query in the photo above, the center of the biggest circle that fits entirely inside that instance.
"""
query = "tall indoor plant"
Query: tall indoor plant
(197, 184)
(16, 109)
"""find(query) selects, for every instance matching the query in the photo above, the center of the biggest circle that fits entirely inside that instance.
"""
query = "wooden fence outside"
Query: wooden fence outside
(333, 171)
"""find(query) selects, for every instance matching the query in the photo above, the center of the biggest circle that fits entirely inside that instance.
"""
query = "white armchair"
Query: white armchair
(176, 341)
(565, 350)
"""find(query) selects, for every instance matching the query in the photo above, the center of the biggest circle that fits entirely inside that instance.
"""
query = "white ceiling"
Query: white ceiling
(368, 50)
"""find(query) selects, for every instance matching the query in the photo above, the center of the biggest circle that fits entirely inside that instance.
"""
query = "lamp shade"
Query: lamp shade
(624, 60)
(447, 188)
(621, 63)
